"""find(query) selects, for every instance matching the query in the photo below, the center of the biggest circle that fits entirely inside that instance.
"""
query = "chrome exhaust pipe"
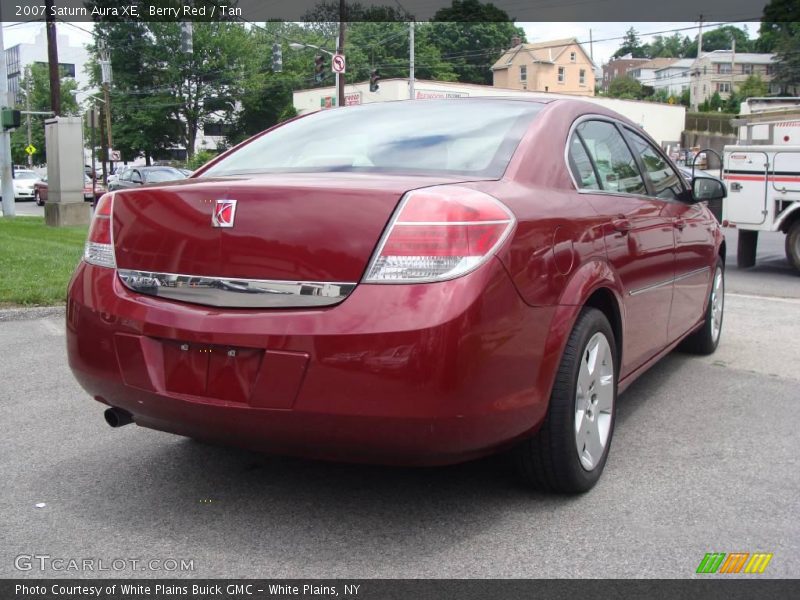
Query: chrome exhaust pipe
(116, 417)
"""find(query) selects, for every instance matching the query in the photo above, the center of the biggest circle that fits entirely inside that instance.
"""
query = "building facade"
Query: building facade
(723, 71)
(72, 61)
(645, 73)
(558, 66)
(675, 78)
(619, 67)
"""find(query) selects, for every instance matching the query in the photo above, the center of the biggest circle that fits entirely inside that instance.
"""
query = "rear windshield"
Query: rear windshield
(464, 137)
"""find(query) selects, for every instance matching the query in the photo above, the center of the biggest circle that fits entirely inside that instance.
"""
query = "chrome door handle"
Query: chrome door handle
(622, 226)
(679, 224)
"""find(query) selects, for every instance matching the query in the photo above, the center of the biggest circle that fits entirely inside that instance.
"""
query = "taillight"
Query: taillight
(440, 233)
(99, 249)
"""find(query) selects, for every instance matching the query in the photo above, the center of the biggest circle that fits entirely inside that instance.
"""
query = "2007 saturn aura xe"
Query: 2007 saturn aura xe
(405, 282)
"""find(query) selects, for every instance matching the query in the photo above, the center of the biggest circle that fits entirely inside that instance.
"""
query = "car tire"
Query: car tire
(705, 340)
(584, 399)
(793, 245)
(746, 249)
(37, 198)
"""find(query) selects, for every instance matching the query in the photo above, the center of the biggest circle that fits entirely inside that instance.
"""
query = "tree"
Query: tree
(721, 39)
(780, 18)
(715, 102)
(625, 87)
(162, 96)
(753, 87)
(143, 119)
(34, 94)
(471, 36)
(205, 84)
(385, 46)
(631, 45)
(780, 33)
(673, 46)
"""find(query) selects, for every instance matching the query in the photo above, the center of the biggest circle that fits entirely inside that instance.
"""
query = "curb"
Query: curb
(28, 314)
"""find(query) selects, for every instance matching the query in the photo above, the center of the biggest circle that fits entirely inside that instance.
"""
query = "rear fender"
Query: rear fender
(590, 277)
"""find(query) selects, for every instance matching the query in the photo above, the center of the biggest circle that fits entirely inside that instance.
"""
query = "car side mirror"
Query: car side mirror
(708, 188)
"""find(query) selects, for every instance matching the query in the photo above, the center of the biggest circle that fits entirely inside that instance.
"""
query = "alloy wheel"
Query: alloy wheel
(717, 304)
(594, 401)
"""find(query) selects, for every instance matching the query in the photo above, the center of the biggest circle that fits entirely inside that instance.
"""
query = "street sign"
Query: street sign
(30, 149)
(116, 156)
(338, 63)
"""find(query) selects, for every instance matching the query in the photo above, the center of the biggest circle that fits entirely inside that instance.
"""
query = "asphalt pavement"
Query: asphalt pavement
(704, 459)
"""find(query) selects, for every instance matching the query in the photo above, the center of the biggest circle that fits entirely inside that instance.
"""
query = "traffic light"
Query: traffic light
(374, 77)
(277, 58)
(11, 118)
(187, 44)
(319, 68)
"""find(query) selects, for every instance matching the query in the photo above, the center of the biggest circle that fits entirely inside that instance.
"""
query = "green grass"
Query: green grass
(37, 261)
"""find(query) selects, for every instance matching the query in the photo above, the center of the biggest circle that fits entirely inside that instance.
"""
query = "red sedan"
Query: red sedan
(406, 282)
(40, 190)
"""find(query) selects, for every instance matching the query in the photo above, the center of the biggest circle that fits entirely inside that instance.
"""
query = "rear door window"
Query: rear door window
(581, 165)
(612, 159)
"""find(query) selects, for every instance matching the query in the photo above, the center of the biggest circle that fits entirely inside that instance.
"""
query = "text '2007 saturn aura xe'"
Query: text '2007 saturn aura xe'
(413, 283)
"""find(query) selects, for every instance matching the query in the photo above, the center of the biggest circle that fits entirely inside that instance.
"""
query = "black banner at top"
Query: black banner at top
(384, 10)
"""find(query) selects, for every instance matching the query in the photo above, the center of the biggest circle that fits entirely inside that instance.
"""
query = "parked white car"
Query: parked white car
(23, 184)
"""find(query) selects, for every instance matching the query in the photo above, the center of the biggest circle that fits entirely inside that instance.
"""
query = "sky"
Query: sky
(603, 50)
(535, 32)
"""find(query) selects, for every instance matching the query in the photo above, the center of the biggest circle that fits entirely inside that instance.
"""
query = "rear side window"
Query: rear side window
(581, 165)
(612, 159)
(666, 182)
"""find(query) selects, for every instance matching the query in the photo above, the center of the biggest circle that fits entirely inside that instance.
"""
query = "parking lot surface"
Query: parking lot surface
(704, 459)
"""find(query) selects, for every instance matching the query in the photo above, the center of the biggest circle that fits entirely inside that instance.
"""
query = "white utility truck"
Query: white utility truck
(762, 173)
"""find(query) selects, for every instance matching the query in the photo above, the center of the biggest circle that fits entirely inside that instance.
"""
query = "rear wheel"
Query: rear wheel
(793, 245)
(37, 198)
(746, 249)
(706, 339)
(570, 451)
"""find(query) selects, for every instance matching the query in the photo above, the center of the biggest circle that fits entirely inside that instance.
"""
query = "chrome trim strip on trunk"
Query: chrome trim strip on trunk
(231, 292)
(654, 286)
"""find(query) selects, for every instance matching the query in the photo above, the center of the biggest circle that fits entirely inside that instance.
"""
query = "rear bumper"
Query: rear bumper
(406, 374)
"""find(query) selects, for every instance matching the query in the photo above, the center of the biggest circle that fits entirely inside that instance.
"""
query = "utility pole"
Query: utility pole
(28, 116)
(105, 67)
(52, 59)
(340, 50)
(104, 154)
(591, 46)
(5, 139)
(93, 123)
(733, 62)
(411, 27)
(700, 38)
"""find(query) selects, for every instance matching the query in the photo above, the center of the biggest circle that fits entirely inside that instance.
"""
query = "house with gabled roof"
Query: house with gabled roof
(558, 66)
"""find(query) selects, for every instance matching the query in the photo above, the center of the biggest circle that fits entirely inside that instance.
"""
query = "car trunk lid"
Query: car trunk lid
(287, 228)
